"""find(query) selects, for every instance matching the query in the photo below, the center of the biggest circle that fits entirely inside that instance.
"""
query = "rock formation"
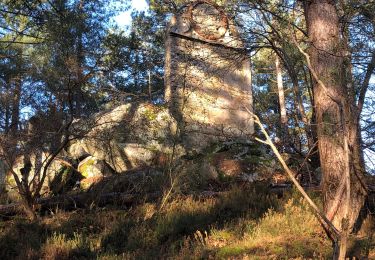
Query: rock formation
(127, 137)
(208, 92)
(207, 76)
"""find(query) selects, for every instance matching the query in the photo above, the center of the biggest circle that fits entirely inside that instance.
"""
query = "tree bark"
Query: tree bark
(7, 108)
(16, 104)
(337, 121)
(29, 210)
(16, 95)
(149, 85)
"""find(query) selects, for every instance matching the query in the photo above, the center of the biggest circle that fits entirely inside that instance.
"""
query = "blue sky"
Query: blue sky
(124, 18)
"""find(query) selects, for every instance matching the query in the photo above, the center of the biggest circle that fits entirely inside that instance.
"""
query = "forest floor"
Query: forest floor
(241, 221)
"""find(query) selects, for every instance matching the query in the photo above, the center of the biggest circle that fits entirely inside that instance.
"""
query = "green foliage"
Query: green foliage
(134, 60)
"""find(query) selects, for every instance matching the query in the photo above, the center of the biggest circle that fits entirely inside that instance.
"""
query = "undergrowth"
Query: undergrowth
(245, 222)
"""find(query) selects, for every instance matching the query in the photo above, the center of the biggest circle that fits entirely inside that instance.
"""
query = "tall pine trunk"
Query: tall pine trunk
(336, 116)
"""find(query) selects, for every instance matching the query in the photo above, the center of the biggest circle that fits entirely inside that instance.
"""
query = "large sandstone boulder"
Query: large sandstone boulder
(92, 170)
(207, 89)
(127, 137)
(91, 167)
(207, 77)
(77, 149)
(224, 162)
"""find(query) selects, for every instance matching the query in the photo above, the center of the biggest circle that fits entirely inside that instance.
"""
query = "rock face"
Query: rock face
(127, 137)
(226, 163)
(92, 171)
(208, 92)
(91, 167)
(207, 76)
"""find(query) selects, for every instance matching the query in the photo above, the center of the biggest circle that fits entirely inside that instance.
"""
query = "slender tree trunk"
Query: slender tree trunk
(7, 109)
(16, 95)
(16, 104)
(28, 206)
(298, 105)
(149, 85)
(280, 89)
(136, 73)
(251, 96)
(311, 135)
(80, 61)
(312, 132)
(337, 122)
(7, 118)
(23, 186)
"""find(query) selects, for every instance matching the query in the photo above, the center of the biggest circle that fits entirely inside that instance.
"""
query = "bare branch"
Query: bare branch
(321, 216)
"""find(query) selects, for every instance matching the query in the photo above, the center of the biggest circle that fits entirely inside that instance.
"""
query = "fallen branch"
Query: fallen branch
(320, 215)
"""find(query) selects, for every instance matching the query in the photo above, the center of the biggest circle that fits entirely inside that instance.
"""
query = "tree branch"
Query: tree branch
(366, 83)
(320, 215)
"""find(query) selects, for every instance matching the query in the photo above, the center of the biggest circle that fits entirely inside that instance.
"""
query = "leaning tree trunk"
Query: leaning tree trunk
(337, 121)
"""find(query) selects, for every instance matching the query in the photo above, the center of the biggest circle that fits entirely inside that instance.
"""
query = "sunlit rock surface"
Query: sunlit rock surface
(127, 137)
(207, 77)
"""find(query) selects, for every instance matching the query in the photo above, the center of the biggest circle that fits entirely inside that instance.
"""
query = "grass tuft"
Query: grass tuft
(242, 222)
